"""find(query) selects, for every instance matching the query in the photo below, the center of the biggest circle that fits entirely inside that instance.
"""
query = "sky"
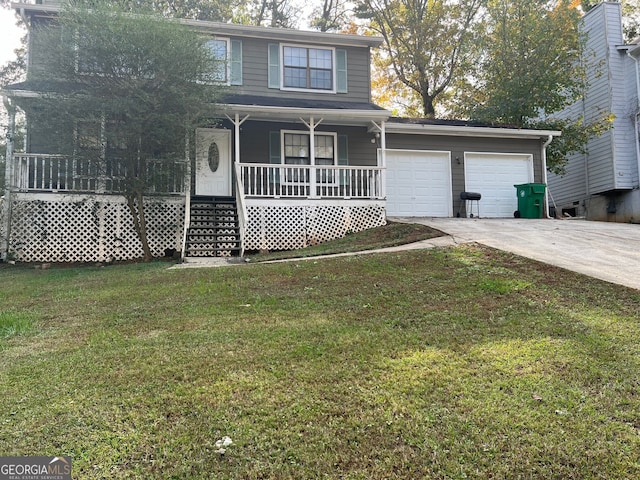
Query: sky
(10, 35)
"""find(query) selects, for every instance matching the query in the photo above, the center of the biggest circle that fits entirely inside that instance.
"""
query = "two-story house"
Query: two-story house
(299, 155)
(603, 183)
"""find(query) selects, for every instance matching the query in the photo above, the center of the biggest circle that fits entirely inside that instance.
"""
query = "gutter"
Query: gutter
(633, 53)
(247, 31)
(466, 131)
(258, 111)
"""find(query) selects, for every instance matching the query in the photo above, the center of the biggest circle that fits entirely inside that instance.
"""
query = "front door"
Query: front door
(213, 162)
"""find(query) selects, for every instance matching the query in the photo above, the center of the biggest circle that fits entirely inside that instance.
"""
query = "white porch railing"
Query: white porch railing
(58, 173)
(311, 181)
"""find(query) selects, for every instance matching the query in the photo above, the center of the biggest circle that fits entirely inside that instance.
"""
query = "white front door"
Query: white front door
(213, 162)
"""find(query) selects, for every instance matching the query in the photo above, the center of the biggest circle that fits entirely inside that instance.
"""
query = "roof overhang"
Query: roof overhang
(293, 114)
(469, 131)
(634, 51)
(20, 93)
(247, 31)
(285, 34)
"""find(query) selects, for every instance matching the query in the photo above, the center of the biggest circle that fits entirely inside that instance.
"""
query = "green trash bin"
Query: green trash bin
(530, 200)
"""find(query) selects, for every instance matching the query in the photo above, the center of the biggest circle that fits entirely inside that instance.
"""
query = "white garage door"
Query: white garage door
(494, 176)
(419, 184)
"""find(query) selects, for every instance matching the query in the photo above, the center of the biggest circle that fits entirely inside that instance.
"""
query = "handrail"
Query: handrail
(60, 173)
(311, 181)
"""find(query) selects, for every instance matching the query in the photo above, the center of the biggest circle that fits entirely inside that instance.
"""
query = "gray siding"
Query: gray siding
(611, 161)
(254, 141)
(572, 186)
(255, 68)
(459, 145)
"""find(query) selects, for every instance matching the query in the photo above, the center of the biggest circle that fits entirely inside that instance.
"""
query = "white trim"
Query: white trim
(302, 202)
(417, 150)
(348, 117)
(467, 131)
(227, 62)
(247, 31)
(307, 47)
(311, 155)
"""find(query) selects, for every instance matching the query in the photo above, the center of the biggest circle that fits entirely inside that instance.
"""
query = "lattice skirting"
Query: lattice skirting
(291, 227)
(74, 228)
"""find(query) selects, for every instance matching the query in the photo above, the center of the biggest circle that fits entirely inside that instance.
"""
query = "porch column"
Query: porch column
(311, 125)
(236, 138)
(236, 134)
(9, 181)
(383, 159)
(237, 122)
(312, 158)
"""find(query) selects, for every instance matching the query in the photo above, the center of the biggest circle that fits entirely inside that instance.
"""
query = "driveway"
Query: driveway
(608, 251)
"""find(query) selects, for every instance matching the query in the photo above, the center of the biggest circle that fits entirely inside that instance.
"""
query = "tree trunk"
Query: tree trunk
(139, 221)
(427, 106)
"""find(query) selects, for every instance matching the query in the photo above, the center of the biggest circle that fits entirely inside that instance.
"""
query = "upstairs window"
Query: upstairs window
(308, 68)
(219, 49)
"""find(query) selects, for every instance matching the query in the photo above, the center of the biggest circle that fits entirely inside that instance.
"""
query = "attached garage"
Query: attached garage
(494, 175)
(430, 162)
(419, 183)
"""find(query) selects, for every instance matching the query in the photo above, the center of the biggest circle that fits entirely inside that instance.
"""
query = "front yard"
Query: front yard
(449, 363)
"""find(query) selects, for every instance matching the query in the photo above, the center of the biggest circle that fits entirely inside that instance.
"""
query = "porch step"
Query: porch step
(213, 230)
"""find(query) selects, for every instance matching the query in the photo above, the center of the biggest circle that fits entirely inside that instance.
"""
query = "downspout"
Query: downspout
(637, 115)
(5, 210)
(544, 174)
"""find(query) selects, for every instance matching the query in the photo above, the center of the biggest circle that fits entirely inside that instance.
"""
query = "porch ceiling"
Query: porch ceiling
(288, 110)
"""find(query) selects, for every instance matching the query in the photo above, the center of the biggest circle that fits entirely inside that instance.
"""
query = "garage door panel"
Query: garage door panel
(419, 184)
(494, 176)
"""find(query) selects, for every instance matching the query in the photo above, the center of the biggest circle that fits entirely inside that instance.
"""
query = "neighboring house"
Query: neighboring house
(603, 184)
(289, 164)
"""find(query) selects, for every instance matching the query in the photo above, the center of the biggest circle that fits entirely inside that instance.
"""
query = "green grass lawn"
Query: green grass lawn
(389, 235)
(448, 363)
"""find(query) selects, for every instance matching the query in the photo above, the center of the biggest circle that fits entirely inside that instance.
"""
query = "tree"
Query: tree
(11, 72)
(426, 42)
(214, 10)
(534, 68)
(125, 90)
(269, 13)
(332, 15)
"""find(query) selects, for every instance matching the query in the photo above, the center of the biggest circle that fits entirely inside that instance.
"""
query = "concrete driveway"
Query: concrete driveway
(609, 251)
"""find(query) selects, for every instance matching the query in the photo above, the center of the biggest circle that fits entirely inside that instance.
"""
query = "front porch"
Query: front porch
(60, 210)
(299, 180)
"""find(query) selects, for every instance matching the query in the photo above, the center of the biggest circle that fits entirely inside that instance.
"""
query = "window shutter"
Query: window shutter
(341, 71)
(274, 65)
(274, 155)
(343, 158)
(235, 62)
